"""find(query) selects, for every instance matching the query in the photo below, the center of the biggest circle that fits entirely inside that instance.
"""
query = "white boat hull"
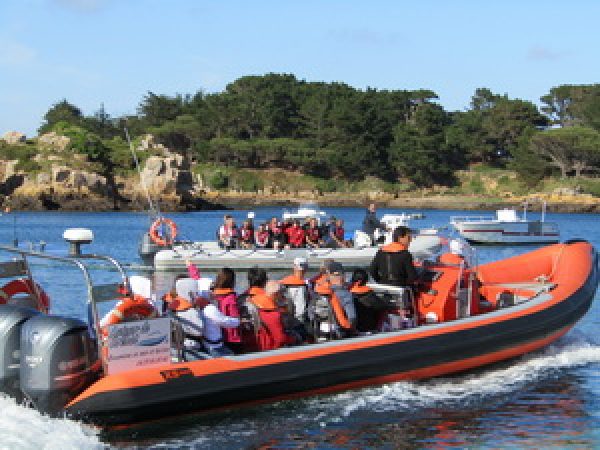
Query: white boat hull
(522, 232)
(207, 255)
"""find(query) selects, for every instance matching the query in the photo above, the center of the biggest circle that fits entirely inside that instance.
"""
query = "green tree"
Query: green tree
(62, 111)
(571, 150)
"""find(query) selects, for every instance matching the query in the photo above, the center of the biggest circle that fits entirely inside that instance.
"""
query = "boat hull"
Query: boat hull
(422, 352)
(509, 232)
(209, 256)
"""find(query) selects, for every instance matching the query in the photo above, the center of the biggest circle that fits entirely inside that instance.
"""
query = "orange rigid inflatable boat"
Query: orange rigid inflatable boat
(464, 318)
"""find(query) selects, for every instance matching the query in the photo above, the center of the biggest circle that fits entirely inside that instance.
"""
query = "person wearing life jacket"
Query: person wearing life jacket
(261, 236)
(393, 263)
(218, 317)
(296, 291)
(455, 256)
(296, 235)
(278, 238)
(340, 299)
(225, 296)
(186, 313)
(247, 235)
(337, 234)
(313, 234)
(271, 333)
(228, 233)
(369, 307)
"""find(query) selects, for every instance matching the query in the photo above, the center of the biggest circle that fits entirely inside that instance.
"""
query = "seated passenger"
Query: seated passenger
(297, 295)
(247, 235)
(228, 233)
(189, 317)
(296, 288)
(369, 307)
(340, 299)
(214, 320)
(278, 236)
(270, 334)
(337, 234)
(225, 297)
(313, 234)
(456, 255)
(296, 235)
(261, 237)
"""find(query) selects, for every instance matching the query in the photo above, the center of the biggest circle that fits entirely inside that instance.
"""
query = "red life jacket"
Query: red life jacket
(271, 334)
(296, 236)
(247, 234)
(313, 234)
(262, 237)
(339, 233)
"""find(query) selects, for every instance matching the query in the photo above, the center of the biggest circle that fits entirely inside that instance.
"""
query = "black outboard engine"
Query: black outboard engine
(12, 319)
(58, 357)
(148, 249)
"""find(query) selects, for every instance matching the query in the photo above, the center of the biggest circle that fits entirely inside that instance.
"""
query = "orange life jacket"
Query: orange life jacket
(177, 303)
(293, 280)
(261, 300)
(325, 289)
(394, 247)
(360, 289)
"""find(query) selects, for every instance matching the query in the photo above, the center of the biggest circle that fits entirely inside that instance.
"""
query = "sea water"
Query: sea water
(548, 399)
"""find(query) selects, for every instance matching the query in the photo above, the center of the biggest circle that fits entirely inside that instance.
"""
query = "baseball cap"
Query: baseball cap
(300, 262)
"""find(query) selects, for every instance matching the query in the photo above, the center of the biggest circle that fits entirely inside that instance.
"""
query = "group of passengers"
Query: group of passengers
(291, 311)
(277, 234)
(275, 313)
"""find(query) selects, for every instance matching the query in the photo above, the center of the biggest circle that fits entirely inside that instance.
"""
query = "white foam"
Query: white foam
(575, 350)
(25, 428)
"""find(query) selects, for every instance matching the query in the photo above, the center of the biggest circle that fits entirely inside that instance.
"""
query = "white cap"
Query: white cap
(456, 247)
(300, 262)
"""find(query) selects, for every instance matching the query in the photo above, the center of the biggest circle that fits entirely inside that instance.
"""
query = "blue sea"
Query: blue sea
(548, 399)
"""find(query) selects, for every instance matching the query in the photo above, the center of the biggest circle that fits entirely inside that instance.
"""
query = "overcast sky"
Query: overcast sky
(114, 51)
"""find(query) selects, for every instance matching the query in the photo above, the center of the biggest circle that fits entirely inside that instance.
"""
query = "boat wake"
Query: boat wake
(471, 390)
(25, 428)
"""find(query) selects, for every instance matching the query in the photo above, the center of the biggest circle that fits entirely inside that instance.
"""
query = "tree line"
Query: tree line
(332, 130)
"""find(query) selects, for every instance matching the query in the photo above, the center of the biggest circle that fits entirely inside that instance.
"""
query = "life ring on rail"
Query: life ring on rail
(24, 286)
(157, 238)
(130, 308)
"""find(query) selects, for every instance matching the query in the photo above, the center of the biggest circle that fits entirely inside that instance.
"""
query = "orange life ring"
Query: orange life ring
(24, 286)
(163, 240)
(130, 308)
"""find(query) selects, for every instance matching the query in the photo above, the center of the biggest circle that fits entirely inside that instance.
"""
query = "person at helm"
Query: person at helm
(393, 263)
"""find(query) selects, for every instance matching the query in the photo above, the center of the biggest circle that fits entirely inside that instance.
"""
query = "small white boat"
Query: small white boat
(507, 227)
(305, 211)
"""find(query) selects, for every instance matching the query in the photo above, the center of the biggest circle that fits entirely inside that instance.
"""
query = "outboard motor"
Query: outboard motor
(58, 361)
(12, 319)
(148, 249)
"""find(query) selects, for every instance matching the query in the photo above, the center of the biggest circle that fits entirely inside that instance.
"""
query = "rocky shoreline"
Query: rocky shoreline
(69, 182)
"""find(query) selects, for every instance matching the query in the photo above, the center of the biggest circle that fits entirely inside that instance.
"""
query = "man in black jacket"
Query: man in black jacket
(372, 223)
(393, 263)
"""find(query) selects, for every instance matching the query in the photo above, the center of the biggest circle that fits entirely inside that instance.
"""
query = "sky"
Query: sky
(112, 52)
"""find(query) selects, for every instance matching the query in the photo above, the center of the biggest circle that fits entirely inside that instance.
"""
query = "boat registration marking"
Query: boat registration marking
(173, 374)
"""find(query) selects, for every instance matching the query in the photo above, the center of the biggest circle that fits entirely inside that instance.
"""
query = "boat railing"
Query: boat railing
(95, 293)
(460, 219)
